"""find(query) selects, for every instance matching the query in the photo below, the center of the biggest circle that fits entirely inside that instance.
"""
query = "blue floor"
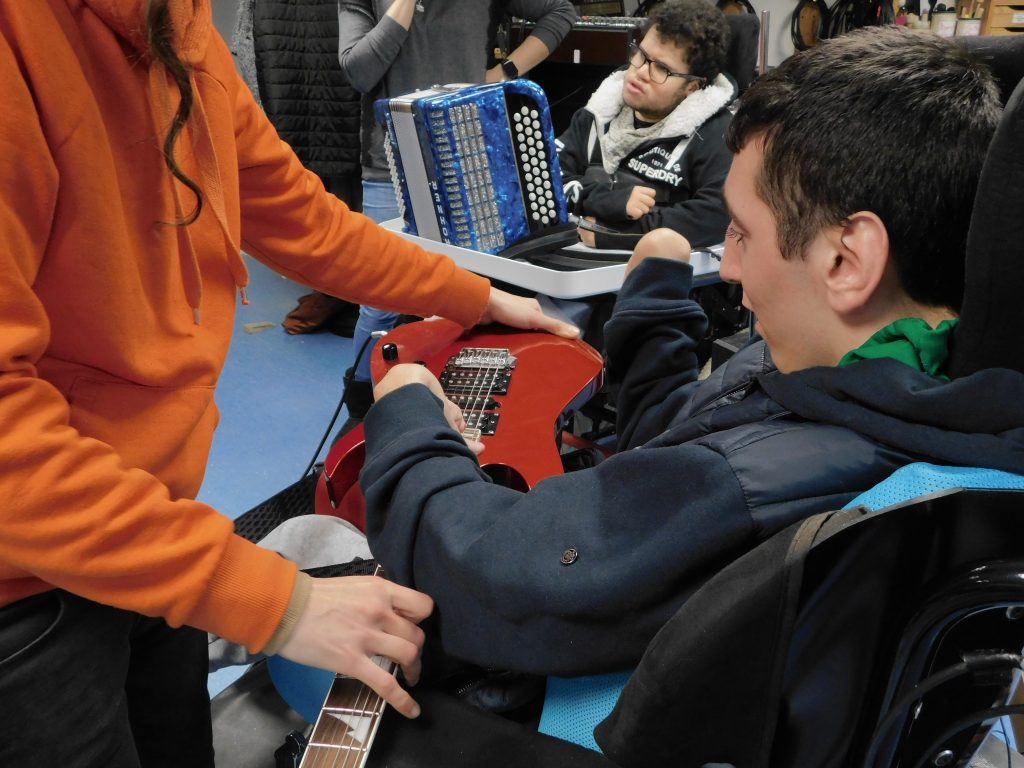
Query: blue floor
(276, 397)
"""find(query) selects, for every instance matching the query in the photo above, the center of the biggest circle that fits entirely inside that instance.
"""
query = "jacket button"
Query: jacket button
(569, 556)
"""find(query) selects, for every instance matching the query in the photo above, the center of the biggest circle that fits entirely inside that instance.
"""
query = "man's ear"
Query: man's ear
(859, 253)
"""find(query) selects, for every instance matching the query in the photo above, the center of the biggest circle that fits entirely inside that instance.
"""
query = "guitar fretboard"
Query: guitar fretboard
(348, 722)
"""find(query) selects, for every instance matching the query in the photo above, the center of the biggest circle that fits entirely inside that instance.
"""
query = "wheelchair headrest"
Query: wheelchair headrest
(741, 60)
(991, 325)
(1004, 56)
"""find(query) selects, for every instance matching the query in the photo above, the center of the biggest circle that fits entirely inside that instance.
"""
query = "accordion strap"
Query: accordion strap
(542, 242)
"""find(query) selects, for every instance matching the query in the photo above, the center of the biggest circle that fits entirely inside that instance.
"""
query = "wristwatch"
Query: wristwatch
(510, 69)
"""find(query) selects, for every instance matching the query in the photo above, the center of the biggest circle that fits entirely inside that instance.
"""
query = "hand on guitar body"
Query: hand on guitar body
(405, 374)
(347, 620)
(522, 312)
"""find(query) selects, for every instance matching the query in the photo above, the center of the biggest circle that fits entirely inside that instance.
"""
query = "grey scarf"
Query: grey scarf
(623, 136)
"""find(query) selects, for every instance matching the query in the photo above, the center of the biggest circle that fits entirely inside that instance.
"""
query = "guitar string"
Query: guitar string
(367, 703)
(361, 705)
(364, 699)
(366, 693)
(324, 723)
(471, 392)
(337, 737)
(475, 392)
(330, 729)
(479, 396)
(335, 732)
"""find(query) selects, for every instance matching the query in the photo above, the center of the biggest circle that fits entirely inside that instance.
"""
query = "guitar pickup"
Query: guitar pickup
(474, 403)
(474, 381)
(482, 423)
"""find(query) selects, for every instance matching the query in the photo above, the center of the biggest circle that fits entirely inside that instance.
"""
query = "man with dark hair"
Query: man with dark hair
(828, 134)
(648, 150)
(850, 254)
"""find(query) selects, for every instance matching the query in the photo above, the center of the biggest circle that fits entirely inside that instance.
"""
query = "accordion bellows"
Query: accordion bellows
(474, 166)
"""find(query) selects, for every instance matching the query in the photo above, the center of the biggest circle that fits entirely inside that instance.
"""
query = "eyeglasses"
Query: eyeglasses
(659, 73)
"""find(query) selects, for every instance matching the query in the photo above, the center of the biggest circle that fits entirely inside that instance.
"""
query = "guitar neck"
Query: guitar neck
(348, 722)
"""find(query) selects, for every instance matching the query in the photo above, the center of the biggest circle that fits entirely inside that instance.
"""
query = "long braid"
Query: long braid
(158, 24)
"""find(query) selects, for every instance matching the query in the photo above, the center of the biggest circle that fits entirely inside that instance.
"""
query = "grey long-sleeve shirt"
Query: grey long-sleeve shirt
(446, 43)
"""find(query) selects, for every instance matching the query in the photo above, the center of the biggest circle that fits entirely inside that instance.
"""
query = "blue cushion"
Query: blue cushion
(574, 706)
(921, 479)
(303, 688)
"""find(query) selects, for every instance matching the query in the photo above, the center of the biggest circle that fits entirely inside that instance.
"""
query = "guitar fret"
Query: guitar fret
(358, 712)
(340, 747)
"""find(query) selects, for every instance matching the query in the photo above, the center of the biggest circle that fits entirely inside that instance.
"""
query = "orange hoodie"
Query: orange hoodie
(114, 324)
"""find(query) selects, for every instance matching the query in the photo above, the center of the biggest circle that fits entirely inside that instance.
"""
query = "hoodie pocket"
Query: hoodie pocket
(165, 431)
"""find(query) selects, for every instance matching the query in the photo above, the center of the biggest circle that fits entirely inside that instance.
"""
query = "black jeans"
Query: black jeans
(83, 685)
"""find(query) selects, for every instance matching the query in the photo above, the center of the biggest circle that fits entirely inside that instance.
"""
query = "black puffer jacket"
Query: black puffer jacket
(303, 90)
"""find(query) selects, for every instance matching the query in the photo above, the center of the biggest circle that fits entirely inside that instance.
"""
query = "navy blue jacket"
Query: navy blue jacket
(705, 471)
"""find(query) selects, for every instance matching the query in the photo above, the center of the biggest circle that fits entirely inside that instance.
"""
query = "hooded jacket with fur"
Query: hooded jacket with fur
(116, 321)
(686, 165)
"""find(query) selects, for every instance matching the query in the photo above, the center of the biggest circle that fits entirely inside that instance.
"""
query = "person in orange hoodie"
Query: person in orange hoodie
(135, 167)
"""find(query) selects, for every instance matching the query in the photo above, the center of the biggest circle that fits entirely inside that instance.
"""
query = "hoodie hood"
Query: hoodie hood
(617, 134)
(192, 28)
(684, 120)
(974, 421)
(191, 21)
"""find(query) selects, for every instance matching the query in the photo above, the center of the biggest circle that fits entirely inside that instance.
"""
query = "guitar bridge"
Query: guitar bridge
(483, 357)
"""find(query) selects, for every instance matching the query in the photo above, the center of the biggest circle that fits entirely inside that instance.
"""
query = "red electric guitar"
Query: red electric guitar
(513, 387)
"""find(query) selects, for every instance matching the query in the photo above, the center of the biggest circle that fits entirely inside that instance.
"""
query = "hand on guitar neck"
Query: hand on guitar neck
(410, 373)
(349, 620)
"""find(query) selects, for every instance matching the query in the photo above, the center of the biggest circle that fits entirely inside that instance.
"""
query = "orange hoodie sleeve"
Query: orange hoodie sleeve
(290, 223)
(73, 515)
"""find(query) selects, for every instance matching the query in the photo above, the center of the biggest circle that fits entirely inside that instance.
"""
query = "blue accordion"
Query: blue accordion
(474, 165)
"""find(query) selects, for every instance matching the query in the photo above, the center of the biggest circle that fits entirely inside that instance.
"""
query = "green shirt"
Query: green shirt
(911, 341)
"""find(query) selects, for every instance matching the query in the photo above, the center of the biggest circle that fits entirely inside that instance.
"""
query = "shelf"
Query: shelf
(560, 284)
(1003, 17)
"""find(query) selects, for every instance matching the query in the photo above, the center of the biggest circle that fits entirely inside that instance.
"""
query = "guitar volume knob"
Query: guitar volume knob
(389, 352)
